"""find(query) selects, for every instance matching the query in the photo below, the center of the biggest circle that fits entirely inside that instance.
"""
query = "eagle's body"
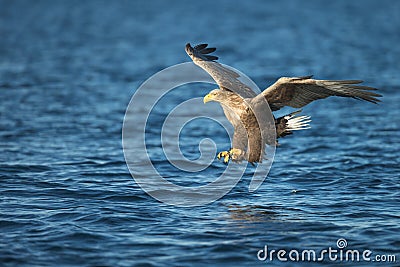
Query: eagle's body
(247, 111)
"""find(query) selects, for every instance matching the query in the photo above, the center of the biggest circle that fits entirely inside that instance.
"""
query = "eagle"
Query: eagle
(246, 110)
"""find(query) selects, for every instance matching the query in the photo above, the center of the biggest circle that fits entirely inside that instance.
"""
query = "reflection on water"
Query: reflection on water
(255, 213)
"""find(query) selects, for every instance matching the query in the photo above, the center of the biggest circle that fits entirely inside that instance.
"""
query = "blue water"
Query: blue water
(68, 70)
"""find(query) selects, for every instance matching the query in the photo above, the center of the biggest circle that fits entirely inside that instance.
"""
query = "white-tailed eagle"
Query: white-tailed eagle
(241, 104)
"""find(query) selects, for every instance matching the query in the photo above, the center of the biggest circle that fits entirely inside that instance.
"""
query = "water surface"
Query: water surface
(68, 70)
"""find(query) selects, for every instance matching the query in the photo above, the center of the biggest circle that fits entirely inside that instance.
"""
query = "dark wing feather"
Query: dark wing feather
(200, 46)
(299, 91)
(226, 78)
(208, 50)
(211, 58)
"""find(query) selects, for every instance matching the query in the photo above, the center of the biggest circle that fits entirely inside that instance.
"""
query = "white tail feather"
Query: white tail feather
(297, 123)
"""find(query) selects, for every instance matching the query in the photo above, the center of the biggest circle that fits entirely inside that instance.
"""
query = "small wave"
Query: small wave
(21, 168)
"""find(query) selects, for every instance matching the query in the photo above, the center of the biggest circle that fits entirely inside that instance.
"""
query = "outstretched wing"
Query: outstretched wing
(299, 91)
(227, 79)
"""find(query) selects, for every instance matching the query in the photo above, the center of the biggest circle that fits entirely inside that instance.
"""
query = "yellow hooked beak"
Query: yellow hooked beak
(207, 98)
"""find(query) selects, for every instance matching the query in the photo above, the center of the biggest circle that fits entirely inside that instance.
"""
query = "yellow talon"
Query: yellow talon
(221, 154)
(227, 157)
(233, 153)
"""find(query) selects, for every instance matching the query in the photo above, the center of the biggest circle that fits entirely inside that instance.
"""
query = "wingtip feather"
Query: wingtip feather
(201, 51)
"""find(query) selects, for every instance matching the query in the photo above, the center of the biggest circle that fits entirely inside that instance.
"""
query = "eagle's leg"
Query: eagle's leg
(234, 153)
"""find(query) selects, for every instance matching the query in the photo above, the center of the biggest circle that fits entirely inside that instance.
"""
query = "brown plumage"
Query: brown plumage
(248, 112)
(298, 92)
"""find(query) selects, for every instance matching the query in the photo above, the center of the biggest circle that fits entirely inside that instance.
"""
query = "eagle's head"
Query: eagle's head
(215, 95)
(218, 95)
